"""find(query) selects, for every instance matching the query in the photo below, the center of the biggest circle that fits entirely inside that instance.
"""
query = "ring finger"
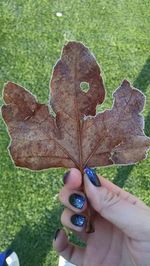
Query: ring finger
(74, 221)
(73, 200)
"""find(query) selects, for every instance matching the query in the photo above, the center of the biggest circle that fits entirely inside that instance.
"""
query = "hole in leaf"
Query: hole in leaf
(84, 86)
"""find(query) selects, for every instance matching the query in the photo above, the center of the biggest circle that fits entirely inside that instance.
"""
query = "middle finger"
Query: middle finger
(73, 200)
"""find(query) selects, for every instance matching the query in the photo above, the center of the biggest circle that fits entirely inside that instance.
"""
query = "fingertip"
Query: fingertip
(60, 240)
(90, 175)
(67, 250)
(72, 220)
(73, 179)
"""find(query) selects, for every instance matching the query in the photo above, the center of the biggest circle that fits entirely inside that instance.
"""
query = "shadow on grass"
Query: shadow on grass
(33, 244)
(141, 82)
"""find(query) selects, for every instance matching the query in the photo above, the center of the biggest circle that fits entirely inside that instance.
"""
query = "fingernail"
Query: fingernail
(77, 200)
(65, 177)
(56, 233)
(78, 220)
(92, 176)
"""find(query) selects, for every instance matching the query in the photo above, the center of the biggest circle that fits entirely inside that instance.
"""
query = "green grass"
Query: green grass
(31, 38)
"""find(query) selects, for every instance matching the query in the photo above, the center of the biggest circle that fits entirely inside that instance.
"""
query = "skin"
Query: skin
(121, 221)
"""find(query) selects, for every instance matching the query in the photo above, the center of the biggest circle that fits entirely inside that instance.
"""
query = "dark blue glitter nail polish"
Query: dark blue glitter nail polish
(92, 176)
(77, 200)
(56, 233)
(65, 177)
(78, 220)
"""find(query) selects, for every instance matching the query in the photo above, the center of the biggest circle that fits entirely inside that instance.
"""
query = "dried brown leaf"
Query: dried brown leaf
(76, 137)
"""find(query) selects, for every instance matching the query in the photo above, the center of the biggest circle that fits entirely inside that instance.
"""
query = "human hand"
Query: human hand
(121, 222)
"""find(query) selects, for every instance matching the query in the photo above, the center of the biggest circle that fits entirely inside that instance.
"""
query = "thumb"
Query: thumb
(133, 220)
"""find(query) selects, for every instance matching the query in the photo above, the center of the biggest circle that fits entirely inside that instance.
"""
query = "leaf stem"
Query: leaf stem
(90, 211)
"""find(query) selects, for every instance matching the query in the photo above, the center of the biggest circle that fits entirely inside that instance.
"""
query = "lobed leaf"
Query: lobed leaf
(76, 136)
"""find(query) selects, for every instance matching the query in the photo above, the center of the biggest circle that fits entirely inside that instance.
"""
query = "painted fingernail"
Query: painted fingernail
(92, 176)
(56, 233)
(77, 200)
(78, 220)
(65, 177)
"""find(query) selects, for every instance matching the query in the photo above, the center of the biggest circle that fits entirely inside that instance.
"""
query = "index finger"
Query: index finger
(73, 179)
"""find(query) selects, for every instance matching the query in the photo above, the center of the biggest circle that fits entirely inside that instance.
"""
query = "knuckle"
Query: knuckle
(60, 196)
(108, 198)
(63, 217)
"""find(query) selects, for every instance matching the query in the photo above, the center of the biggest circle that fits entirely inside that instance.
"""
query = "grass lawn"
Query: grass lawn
(31, 38)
